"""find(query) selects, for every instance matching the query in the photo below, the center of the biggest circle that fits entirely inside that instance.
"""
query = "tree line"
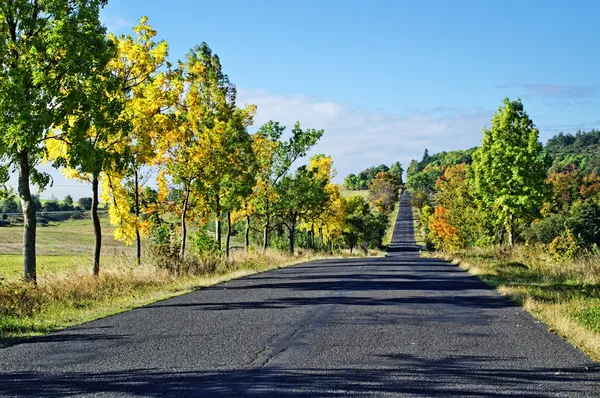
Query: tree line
(512, 189)
(164, 144)
(10, 204)
(362, 180)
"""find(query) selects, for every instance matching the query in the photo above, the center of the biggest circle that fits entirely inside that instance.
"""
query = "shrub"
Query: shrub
(564, 246)
(204, 245)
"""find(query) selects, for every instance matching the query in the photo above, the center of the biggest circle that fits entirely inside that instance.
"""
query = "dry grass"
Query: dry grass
(389, 232)
(565, 295)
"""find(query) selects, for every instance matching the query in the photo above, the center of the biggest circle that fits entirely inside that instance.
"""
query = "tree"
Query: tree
(148, 96)
(277, 166)
(298, 196)
(356, 214)
(68, 200)
(397, 170)
(85, 203)
(384, 191)
(9, 205)
(48, 50)
(423, 181)
(509, 168)
(455, 222)
(329, 219)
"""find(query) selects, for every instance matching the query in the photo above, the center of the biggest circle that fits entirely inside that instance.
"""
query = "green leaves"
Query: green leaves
(509, 168)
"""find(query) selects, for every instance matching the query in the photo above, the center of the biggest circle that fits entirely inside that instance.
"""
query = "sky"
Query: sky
(387, 79)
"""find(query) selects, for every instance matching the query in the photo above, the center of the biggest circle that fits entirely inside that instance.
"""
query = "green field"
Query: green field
(61, 247)
(362, 193)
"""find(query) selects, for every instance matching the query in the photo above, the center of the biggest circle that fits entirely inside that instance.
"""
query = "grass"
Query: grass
(62, 248)
(419, 238)
(387, 238)
(362, 193)
(565, 295)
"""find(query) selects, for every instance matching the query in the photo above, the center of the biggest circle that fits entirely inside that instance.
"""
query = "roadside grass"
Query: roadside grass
(63, 300)
(389, 232)
(419, 238)
(565, 295)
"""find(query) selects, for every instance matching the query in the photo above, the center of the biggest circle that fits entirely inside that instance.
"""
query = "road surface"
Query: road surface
(394, 326)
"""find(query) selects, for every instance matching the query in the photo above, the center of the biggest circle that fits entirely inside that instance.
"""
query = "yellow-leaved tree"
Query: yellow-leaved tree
(329, 220)
(151, 92)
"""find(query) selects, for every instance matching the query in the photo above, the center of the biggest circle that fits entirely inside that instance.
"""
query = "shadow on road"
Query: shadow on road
(452, 376)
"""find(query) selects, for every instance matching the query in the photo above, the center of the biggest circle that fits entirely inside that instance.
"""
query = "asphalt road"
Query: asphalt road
(394, 326)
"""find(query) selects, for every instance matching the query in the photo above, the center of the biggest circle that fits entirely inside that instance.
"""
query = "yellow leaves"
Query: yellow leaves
(321, 165)
(119, 209)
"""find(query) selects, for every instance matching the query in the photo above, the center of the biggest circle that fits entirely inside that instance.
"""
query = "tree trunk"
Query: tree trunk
(321, 236)
(218, 222)
(292, 235)
(138, 238)
(266, 236)
(510, 230)
(183, 224)
(228, 236)
(312, 236)
(97, 228)
(29, 220)
(247, 234)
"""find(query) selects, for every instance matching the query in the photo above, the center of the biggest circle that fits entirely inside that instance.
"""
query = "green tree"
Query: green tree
(85, 203)
(299, 195)
(278, 165)
(384, 191)
(48, 50)
(68, 200)
(509, 168)
(397, 170)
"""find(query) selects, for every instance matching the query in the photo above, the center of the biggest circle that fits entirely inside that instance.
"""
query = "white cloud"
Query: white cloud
(356, 138)
(115, 24)
(359, 138)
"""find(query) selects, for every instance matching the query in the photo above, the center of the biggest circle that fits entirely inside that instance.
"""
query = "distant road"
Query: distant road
(394, 326)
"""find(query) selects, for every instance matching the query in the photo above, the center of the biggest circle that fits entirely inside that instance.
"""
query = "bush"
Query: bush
(564, 246)
(164, 246)
(419, 199)
(585, 223)
(52, 205)
(204, 245)
(85, 203)
(546, 229)
(280, 243)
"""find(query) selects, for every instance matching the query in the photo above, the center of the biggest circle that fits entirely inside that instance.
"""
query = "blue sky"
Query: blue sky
(387, 79)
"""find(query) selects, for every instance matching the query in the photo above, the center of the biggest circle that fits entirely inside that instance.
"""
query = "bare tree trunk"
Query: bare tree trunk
(510, 230)
(228, 236)
(138, 238)
(292, 235)
(247, 234)
(321, 236)
(312, 236)
(183, 224)
(266, 236)
(218, 222)
(29, 220)
(97, 228)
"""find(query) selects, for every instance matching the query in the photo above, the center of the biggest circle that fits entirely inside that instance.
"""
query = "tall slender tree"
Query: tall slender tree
(48, 51)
